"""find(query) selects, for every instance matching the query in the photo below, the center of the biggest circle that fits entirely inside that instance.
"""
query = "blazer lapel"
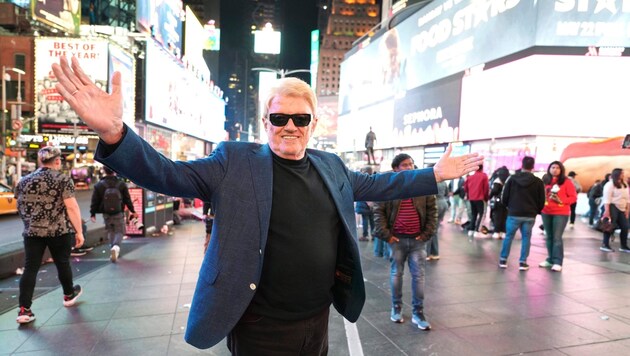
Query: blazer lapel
(261, 164)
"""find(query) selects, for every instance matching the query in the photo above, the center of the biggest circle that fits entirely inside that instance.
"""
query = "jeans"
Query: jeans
(457, 208)
(512, 224)
(380, 247)
(433, 246)
(618, 217)
(368, 219)
(554, 228)
(115, 227)
(260, 335)
(414, 252)
(34, 248)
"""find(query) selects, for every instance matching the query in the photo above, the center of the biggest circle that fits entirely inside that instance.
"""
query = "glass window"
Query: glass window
(20, 61)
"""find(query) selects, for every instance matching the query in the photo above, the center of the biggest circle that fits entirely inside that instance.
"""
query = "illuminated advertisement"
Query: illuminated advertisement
(54, 115)
(162, 20)
(213, 37)
(123, 62)
(315, 60)
(195, 35)
(64, 15)
(267, 41)
(546, 95)
(177, 100)
(326, 131)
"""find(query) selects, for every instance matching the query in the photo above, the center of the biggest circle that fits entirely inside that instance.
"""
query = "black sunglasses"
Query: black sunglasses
(299, 120)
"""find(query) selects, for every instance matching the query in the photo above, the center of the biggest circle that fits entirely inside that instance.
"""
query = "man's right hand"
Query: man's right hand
(393, 239)
(93, 218)
(101, 111)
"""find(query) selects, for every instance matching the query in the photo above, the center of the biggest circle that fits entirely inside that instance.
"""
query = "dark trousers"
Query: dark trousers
(368, 219)
(370, 153)
(572, 219)
(260, 335)
(499, 217)
(34, 248)
(476, 206)
(618, 218)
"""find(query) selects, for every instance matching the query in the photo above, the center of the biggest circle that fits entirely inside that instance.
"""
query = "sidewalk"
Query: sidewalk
(140, 304)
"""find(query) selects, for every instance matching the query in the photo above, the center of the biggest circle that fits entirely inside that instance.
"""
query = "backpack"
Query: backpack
(112, 199)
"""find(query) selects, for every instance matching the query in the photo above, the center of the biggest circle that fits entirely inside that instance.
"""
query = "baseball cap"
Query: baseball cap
(48, 153)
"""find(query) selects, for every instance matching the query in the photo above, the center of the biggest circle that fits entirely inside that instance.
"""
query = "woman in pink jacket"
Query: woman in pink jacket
(560, 194)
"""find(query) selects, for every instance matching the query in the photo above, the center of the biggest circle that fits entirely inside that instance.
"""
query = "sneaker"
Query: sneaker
(363, 238)
(556, 268)
(522, 266)
(606, 249)
(502, 263)
(479, 234)
(396, 316)
(502, 235)
(419, 319)
(571, 226)
(70, 300)
(544, 264)
(435, 257)
(25, 316)
(87, 248)
(624, 249)
(471, 233)
(114, 252)
(76, 252)
(496, 235)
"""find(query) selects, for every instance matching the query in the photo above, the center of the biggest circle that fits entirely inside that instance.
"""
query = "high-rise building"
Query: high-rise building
(347, 21)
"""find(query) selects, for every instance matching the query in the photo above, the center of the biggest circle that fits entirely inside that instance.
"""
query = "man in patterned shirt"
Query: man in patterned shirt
(52, 219)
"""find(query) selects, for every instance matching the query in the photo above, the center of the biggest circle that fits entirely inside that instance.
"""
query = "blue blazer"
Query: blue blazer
(237, 178)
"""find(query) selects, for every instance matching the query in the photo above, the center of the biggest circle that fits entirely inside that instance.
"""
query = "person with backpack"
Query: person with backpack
(109, 198)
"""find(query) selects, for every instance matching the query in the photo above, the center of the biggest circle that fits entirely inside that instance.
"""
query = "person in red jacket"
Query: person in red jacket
(560, 194)
(478, 190)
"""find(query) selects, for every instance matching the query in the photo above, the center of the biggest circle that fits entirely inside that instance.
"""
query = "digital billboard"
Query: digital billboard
(162, 19)
(178, 100)
(54, 115)
(64, 15)
(123, 62)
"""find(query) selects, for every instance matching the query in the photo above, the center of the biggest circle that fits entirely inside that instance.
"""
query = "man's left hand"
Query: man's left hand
(454, 167)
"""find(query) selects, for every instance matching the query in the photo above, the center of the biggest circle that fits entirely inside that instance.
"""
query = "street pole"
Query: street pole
(19, 118)
(3, 171)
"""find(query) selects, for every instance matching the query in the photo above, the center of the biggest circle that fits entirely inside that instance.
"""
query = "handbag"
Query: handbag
(604, 225)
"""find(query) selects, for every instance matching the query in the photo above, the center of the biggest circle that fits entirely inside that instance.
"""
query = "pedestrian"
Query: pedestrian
(208, 218)
(284, 241)
(52, 219)
(433, 245)
(478, 190)
(110, 196)
(370, 138)
(407, 225)
(578, 190)
(616, 201)
(456, 195)
(560, 194)
(524, 197)
(498, 211)
(595, 194)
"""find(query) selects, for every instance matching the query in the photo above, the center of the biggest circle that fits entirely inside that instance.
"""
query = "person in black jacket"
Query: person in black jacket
(114, 222)
(524, 197)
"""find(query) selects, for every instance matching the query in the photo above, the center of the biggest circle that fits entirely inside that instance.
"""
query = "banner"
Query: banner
(64, 15)
(54, 114)
(123, 62)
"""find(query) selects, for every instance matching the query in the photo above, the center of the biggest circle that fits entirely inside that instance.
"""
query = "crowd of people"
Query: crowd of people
(293, 209)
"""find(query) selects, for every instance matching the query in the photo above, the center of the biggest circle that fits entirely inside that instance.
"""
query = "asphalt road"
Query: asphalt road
(11, 225)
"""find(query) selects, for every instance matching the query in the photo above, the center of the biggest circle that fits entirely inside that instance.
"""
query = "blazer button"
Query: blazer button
(252, 286)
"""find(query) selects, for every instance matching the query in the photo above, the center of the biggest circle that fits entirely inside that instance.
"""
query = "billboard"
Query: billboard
(162, 19)
(54, 115)
(123, 62)
(178, 100)
(267, 41)
(64, 15)
(195, 36)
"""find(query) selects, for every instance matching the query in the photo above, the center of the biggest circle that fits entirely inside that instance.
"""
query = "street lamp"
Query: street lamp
(6, 75)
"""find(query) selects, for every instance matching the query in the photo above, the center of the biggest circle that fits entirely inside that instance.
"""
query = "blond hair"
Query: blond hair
(291, 87)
